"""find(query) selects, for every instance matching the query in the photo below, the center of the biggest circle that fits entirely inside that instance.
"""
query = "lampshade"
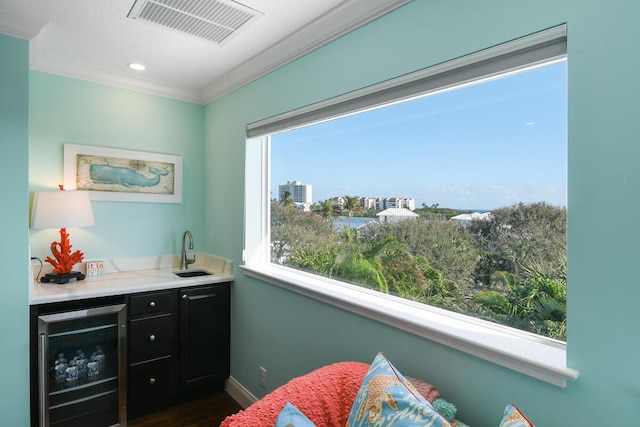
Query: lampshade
(62, 209)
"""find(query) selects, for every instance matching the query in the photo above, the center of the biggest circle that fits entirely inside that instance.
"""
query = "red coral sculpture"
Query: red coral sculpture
(65, 260)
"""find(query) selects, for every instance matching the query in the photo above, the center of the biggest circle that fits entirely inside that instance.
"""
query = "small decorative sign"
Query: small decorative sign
(95, 268)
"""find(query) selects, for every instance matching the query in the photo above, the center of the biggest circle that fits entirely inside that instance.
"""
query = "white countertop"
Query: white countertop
(127, 276)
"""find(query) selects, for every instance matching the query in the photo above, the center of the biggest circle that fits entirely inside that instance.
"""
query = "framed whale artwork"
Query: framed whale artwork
(123, 175)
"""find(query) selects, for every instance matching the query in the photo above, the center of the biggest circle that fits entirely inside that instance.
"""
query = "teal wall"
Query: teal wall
(64, 110)
(14, 251)
(290, 334)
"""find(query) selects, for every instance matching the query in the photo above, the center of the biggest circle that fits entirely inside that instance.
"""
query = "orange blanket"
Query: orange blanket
(325, 396)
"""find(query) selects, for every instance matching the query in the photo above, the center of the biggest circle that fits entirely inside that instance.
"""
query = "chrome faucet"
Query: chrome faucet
(184, 261)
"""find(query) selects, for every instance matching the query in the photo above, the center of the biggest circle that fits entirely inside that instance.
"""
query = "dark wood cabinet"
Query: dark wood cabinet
(153, 355)
(178, 345)
(172, 346)
(204, 337)
(149, 382)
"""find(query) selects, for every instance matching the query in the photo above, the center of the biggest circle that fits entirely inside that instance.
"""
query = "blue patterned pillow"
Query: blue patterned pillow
(385, 398)
(513, 417)
(290, 416)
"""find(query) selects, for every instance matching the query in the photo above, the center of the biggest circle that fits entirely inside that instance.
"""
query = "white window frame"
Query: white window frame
(530, 354)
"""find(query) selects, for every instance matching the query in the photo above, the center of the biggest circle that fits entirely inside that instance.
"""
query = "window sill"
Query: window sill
(527, 353)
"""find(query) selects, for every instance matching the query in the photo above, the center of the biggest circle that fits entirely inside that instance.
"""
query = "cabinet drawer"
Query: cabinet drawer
(151, 303)
(151, 337)
(152, 381)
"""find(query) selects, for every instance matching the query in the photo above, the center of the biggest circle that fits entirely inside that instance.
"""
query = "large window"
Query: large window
(455, 199)
(441, 194)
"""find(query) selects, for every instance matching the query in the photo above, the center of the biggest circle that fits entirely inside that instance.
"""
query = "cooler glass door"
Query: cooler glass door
(82, 360)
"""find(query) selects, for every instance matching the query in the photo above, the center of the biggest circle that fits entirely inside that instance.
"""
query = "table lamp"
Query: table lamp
(62, 209)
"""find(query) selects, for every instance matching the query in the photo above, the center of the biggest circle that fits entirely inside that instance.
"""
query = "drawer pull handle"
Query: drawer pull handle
(152, 381)
(184, 296)
(152, 304)
(152, 337)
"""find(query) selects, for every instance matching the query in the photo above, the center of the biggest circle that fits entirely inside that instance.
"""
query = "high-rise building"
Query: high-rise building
(300, 193)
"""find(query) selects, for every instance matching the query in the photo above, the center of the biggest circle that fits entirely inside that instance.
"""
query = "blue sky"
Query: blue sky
(480, 147)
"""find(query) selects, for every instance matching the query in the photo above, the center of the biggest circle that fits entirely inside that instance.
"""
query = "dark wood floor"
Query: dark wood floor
(209, 411)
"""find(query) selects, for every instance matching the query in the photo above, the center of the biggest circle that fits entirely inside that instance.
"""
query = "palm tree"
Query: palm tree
(535, 303)
(325, 208)
(385, 265)
(287, 200)
(351, 205)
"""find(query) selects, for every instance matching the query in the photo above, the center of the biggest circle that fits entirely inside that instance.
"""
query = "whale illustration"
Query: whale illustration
(127, 177)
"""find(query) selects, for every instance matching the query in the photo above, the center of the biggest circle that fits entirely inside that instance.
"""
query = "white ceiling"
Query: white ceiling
(95, 40)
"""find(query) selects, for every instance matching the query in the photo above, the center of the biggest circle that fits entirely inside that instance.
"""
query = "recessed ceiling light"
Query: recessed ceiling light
(136, 66)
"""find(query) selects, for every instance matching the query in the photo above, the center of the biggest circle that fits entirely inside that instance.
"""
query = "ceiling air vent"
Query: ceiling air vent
(213, 20)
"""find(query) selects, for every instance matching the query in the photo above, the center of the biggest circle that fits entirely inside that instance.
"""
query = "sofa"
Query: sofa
(325, 396)
(355, 394)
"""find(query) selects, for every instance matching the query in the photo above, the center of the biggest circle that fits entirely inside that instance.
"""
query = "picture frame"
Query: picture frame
(111, 174)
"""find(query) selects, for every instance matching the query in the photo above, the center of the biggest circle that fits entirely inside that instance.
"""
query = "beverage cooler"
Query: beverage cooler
(82, 367)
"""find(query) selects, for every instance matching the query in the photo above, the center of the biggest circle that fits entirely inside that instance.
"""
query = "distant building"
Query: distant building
(396, 215)
(409, 204)
(300, 193)
(380, 203)
(367, 203)
(465, 219)
(337, 201)
(392, 202)
(304, 207)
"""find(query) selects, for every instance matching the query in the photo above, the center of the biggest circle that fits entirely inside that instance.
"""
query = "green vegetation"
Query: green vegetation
(509, 269)
(434, 212)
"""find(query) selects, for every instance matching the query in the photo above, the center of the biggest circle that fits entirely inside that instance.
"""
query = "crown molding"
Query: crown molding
(19, 26)
(40, 61)
(330, 26)
(340, 20)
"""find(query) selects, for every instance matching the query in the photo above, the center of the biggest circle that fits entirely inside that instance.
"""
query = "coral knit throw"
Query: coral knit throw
(325, 396)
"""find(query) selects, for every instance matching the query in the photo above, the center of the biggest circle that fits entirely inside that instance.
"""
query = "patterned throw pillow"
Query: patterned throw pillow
(513, 417)
(290, 416)
(385, 399)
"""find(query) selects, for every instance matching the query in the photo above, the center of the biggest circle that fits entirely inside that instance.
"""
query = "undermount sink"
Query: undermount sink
(192, 273)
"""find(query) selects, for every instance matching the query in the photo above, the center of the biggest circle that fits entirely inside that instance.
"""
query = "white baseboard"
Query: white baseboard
(239, 393)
